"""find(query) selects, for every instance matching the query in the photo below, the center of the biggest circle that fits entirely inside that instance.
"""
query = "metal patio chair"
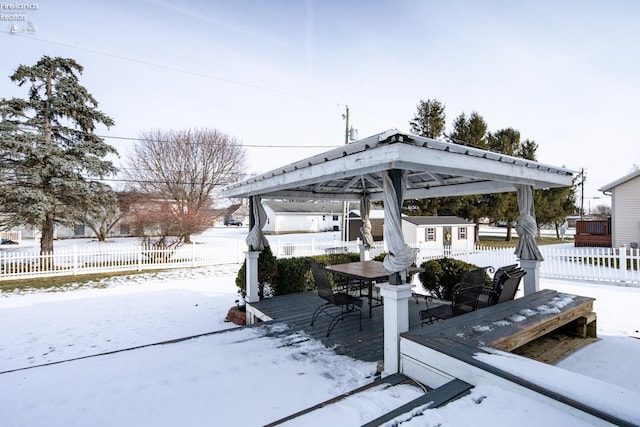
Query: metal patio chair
(349, 305)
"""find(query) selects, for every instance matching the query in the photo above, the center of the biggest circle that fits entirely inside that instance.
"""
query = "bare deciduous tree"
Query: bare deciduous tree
(186, 168)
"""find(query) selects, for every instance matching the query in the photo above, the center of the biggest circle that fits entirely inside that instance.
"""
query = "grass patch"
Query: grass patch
(63, 283)
(500, 242)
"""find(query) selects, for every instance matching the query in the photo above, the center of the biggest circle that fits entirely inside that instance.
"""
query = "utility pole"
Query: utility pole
(346, 126)
(343, 227)
(582, 180)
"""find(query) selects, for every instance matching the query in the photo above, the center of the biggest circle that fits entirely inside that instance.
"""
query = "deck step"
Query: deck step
(434, 398)
(390, 381)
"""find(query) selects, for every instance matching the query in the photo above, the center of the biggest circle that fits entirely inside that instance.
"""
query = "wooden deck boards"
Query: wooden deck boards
(483, 327)
(295, 311)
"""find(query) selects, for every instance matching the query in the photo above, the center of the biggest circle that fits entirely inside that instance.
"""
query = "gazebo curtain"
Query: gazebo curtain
(526, 227)
(365, 211)
(401, 256)
(256, 239)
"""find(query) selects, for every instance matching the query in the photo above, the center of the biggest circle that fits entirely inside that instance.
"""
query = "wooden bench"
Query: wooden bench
(512, 324)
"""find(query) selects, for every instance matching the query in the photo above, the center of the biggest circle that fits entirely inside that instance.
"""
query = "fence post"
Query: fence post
(622, 259)
(75, 260)
(193, 254)
(139, 257)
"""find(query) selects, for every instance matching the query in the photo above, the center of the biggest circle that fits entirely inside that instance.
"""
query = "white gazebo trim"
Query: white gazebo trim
(435, 169)
(432, 169)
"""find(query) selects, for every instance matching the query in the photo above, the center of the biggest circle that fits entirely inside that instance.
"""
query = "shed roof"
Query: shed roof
(434, 169)
(619, 181)
(326, 207)
(437, 220)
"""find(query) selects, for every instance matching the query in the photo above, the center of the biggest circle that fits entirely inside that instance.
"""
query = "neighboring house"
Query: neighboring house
(238, 212)
(625, 206)
(59, 232)
(302, 217)
(354, 223)
(437, 230)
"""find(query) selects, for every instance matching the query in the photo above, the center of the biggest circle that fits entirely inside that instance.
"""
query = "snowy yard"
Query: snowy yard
(239, 377)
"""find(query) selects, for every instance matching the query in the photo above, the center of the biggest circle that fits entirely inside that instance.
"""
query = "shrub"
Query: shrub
(294, 275)
(288, 275)
(441, 275)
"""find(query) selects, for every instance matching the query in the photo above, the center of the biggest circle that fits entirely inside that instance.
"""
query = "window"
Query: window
(335, 217)
(430, 234)
(462, 233)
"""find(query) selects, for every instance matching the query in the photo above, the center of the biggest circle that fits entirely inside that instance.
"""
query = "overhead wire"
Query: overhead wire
(202, 75)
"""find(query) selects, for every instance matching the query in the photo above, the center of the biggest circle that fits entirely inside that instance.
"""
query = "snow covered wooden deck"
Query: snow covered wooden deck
(295, 310)
(490, 326)
(473, 348)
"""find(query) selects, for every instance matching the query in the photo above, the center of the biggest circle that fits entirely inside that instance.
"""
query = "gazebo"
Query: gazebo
(391, 166)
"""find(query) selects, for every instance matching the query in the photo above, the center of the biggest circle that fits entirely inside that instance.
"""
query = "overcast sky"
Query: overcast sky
(277, 75)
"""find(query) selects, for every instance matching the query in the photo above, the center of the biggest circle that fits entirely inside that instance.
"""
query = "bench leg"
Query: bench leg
(586, 326)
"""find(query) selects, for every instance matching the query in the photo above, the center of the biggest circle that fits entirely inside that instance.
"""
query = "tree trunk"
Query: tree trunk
(476, 231)
(187, 238)
(509, 225)
(46, 241)
(102, 235)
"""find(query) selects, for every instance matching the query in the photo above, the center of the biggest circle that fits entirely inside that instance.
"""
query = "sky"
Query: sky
(274, 370)
(278, 75)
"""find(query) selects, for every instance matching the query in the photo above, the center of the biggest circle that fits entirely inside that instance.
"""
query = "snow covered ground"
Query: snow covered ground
(242, 376)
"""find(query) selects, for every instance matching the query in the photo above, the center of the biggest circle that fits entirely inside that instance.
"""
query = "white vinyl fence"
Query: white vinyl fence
(73, 261)
(620, 265)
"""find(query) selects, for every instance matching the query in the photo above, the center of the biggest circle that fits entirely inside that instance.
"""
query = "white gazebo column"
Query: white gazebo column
(531, 280)
(365, 252)
(251, 276)
(396, 321)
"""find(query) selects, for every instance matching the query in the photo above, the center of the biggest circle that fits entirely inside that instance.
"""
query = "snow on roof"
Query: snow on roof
(434, 169)
(436, 220)
(304, 207)
(619, 181)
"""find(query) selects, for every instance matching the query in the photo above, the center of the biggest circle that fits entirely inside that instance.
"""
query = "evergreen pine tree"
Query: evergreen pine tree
(49, 153)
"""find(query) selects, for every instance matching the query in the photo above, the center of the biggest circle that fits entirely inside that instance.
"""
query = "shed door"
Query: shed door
(447, 236)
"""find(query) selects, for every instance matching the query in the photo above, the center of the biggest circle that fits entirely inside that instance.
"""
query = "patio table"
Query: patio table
(367, 273)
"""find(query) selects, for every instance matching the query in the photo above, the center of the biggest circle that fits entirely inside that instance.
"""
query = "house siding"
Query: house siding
(625, 205)
(300, 222)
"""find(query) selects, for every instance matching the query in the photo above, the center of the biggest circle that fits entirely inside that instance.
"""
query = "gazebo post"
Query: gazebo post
(396, 179)
(531, 280)
(527, 250)
(251, 269)
(396, 296)
(365, 252)
(396, 321)
(251, 276)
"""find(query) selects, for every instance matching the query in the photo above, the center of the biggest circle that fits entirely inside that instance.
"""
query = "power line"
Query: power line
(145, 139)
(208, 76)
(180, 70)
(149, 181)
(139, 139)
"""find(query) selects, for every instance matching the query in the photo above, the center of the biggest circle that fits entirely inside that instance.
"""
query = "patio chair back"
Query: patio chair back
(476, 276)
(349, 305)
(500, 277)
(510, 285)
(325, 291)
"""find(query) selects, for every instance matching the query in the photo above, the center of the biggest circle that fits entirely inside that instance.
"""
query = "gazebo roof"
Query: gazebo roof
(434, 169)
